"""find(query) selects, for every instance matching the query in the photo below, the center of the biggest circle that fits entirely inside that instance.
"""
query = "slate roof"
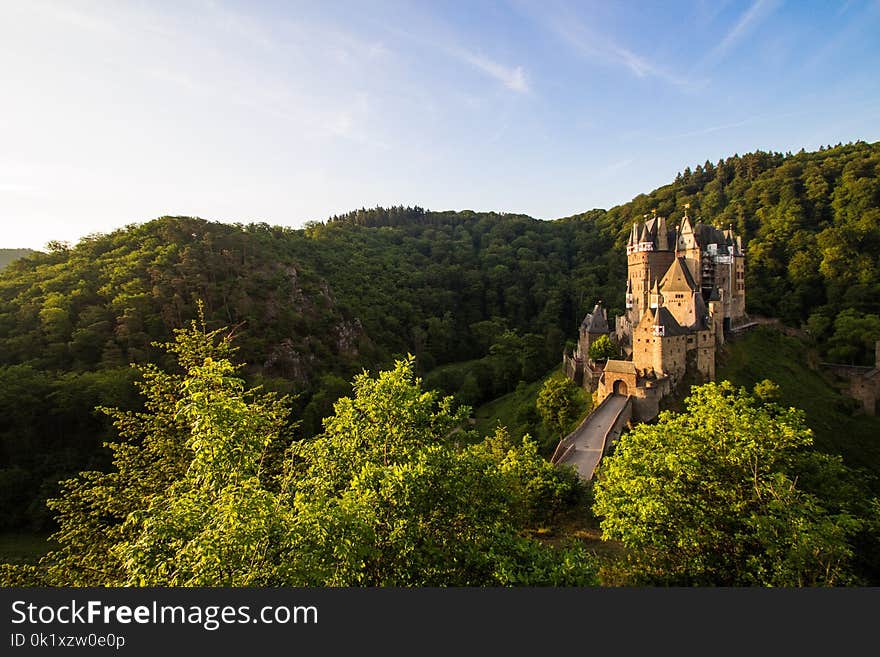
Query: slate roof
(596, 322)
(620, 366)
(664, 318)
(678, 278)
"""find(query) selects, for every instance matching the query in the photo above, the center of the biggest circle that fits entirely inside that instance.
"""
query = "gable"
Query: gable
(678, 278)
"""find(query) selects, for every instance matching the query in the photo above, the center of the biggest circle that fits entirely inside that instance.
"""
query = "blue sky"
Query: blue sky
(119, 112)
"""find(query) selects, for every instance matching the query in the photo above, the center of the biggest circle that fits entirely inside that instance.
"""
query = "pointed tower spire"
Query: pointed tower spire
(662, 238)
(656, 298)
(686, 238)
(633, 238)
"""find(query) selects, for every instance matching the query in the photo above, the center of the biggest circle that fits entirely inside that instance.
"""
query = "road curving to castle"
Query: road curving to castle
(588, 440)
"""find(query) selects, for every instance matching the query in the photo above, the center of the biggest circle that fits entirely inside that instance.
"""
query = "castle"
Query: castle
(685, 287)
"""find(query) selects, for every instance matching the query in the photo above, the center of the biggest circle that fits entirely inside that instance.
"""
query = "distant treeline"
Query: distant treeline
(8, 255)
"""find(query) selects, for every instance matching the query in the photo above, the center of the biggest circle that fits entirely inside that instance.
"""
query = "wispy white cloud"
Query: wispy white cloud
(514, 78)
(440, 38)
(753, 16)
(598, 46)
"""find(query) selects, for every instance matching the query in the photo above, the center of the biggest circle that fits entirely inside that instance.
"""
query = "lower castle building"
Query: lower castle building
(685, 288)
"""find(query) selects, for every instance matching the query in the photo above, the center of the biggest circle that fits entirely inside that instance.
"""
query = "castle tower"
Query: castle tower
(594, 325)
(662, 235)
(738, 301)
(648, 258)
(660, 344)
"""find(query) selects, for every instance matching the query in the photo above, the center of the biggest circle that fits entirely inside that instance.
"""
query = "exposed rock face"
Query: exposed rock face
(347, 335)
(291, 362)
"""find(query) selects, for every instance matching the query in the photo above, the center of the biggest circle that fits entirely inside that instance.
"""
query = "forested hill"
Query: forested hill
(311, 307)
(304, 301)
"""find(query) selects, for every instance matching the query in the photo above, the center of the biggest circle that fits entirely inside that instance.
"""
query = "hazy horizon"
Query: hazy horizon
(284, 113)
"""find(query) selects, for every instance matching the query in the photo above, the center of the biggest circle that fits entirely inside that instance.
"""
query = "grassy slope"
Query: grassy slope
(517, 412)
(768, 354)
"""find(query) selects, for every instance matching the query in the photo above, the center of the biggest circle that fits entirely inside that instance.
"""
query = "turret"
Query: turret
(645, 241)
(658, 329)
(689, 249)
(633, 239)
(686, 239)
(656, 298)
(662, 238)
(594, 325)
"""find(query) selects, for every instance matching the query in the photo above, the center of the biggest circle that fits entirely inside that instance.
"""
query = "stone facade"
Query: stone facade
(685, 287)
(863, 383)
(578, 365)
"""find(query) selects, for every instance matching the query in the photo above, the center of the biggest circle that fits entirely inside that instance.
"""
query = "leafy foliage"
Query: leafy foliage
(201, 494)
(311, 308)
(557, 404)
(603, 348)
(420, 510)
(729, 494)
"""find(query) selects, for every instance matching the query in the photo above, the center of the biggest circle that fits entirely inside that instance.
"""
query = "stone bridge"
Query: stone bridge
(584, 447)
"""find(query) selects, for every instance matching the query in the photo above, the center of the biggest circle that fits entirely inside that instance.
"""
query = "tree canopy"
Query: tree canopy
(557, 404)
(603, 348)
(728, 493)
(209, 489)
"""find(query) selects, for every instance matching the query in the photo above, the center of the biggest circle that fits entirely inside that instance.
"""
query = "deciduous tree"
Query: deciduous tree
(713, 497)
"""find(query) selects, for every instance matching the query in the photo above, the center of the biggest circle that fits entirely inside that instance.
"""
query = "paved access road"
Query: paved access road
(589, 437)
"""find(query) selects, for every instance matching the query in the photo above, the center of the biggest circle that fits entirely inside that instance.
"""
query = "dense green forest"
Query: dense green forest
(482, 300)
(310, 308)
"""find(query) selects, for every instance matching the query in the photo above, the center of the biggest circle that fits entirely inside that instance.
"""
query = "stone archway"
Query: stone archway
(620, 387)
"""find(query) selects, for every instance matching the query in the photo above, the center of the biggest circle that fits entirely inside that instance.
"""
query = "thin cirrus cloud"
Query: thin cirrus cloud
(759, 11)
(597, 46)
(513, 78)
